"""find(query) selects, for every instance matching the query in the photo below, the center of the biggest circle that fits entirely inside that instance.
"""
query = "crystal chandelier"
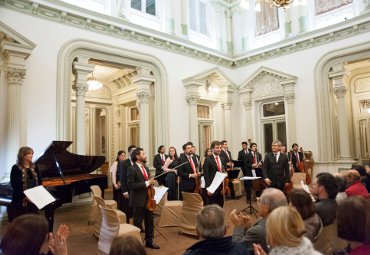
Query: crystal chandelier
(280, 3)
(93, 83)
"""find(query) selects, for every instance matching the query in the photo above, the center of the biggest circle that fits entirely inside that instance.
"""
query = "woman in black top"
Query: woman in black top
(24, 175)
(169, 165)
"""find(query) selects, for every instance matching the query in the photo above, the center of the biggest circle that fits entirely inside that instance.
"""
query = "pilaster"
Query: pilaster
(192, 97)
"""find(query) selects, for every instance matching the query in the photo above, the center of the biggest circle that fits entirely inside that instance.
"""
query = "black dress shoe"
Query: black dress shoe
(152, 245)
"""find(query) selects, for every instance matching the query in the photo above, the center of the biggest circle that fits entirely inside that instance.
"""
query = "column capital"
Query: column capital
(15, 75)
(192, 98)
(143, 96)
(247, 104)
(226, 104)
(81, 70)
(289, 98)
(340, 91)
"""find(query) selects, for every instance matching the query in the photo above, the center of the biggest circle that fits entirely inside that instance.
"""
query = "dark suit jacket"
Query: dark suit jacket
(196, 158)
(277, 172)
(242, 154)
(292, 156)
(136, 185)
(186, 184)
(210, 168)
(122, 169)
(157, 163)
(223, 154)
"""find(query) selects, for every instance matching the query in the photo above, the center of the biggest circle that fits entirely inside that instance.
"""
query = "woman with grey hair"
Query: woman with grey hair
(211, 228)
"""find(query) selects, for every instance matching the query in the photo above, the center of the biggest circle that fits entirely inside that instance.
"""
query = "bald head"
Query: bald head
(274, 198)
(353, 176)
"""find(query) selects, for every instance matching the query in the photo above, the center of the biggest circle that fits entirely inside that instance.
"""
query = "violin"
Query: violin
(151, 205)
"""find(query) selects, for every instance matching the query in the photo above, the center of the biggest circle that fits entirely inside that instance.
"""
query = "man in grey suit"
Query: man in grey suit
(276, 168)
(244, 232)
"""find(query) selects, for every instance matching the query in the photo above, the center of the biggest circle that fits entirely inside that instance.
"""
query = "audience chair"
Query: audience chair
(101, 202)
(111, 228)
(171, 213)
(191, 206)
(296, 179)
(329, 241)
(94, 216)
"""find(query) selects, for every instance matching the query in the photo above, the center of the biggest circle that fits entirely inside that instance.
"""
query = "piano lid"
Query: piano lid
(69, 163)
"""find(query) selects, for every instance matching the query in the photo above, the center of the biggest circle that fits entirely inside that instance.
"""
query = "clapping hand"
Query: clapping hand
(58, 242)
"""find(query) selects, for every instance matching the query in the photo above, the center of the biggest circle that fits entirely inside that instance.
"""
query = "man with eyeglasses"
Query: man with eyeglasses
(244, 231)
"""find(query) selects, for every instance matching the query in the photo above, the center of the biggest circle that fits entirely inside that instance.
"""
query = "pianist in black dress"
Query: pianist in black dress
(24, 175)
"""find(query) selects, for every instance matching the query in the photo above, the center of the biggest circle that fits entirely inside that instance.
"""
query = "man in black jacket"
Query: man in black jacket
(211, 227)
(138, 181)
(226, 154)
(158, 163)
(187, 172)
(213, 164)
(122, 169)
(295, 156)
(276, 168)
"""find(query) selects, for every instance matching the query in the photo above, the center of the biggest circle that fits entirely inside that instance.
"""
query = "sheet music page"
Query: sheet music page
(219, 178)
(159, 193)
(39, 196)
(249, 178)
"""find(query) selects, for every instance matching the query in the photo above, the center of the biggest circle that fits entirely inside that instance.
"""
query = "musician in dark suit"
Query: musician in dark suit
(226, 154)
(187, 172)
(251, 168)
(196, 157)
(295, 156)
(158, 163)
(276, 168)
(243, 152)
(138, 181)
(212, 164)
(122, 169)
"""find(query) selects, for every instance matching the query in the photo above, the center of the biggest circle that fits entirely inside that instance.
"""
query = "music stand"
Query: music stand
(250, 207)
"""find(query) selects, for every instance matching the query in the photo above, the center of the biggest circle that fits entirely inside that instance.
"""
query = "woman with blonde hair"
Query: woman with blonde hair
(285, 231)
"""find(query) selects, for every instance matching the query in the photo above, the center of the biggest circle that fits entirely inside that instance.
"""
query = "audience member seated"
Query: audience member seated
(302, 201)
(211, 227)
(270, 199)
(126, 245)
(354, 185)
(28, 235)
(285, 234)
(325, 188)
(353, 220)
(342, 185)
(367, 179)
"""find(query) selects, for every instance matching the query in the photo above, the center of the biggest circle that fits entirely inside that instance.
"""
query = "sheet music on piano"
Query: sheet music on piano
(39, 196)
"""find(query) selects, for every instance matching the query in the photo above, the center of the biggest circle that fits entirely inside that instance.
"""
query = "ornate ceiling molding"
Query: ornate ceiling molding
(123, 29)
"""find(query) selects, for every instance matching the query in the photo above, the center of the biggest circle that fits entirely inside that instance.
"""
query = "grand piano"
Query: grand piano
(64, 175)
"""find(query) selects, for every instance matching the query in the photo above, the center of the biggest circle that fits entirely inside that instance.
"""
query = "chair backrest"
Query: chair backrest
(192, 200)
(328, 241)
(192, 205)
(95, 189)
(100, 201)
(109, 229)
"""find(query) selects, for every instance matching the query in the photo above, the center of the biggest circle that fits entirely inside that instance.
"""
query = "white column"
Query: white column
(192, 97)
(340, 91)
(289, 97)
(184, 18)
(143, 81)
(229, 31)
(246, 101)
(14, 109)
(220, 25)
(170, 21)
(81, 69)
(226, 105)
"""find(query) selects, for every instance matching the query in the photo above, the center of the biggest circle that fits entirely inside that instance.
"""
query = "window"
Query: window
(267, 19)
(273, 109)
(323, 6)
(198, 16)
(134, 114)
(203, 111)
(146, 6)
(133, 126)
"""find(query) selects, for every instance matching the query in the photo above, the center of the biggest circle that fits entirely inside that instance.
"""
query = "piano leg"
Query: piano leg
(49, 214)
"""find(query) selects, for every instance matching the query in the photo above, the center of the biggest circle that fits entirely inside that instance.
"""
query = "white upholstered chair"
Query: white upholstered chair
(171, 213)
(95, 214)
(191, 206)
(111, 227)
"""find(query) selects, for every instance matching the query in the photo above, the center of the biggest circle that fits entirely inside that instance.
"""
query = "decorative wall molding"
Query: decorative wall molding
(362, 85)
(123, 29)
